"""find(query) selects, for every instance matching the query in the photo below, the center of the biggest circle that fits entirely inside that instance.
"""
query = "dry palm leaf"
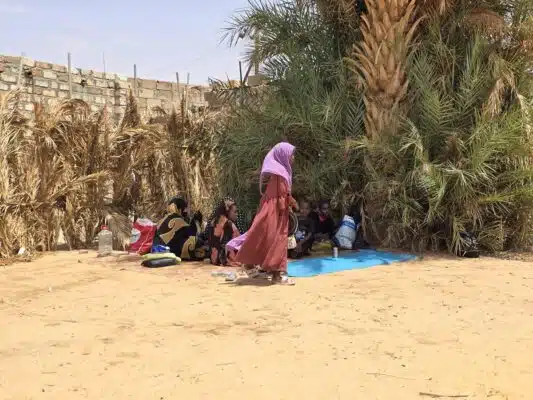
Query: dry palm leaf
(485, 20)
(70, 169)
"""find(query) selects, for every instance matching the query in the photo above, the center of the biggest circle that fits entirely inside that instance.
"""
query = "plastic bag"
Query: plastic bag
(291, 245)
(346, 234)
(142, 236)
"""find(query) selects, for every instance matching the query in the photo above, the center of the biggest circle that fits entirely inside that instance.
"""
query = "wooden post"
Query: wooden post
(197, 181)
(135, 90)
(21, 67)
(187, 92)
(69, 75)
(241, 85)
(178, 87)
(256, 63)
(247, 72)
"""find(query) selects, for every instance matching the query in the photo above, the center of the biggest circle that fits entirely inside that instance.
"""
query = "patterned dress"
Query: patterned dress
(175, 232)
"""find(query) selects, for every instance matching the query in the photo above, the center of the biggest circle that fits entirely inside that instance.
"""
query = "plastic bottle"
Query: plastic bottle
(229, 275)
(220, 273)
(105, 242)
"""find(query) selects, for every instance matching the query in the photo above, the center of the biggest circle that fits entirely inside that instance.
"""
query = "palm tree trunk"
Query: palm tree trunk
(387, 29)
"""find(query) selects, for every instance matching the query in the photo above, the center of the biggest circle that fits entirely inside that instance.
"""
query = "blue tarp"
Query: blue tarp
(347, 260)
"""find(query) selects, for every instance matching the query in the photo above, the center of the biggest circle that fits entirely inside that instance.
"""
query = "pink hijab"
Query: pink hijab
(276, 162)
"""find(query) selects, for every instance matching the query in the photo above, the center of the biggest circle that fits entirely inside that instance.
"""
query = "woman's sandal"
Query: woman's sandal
(255, 273)
(284, 280)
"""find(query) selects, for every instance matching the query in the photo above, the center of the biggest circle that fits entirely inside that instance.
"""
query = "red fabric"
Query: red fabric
(266, 241)
(143, 244)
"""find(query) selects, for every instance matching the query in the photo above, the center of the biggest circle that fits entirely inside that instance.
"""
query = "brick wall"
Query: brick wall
(47, 83)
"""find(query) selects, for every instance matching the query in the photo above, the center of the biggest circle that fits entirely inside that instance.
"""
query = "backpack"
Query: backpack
(470, 247)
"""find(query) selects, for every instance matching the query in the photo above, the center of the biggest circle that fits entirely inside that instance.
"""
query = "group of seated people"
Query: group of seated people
(316, 226)
(184, 236)
(192, 240)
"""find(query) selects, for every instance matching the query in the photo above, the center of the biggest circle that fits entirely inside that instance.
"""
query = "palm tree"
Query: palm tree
(464, 135)
(445, 146)
(283, 33)
(309, 100)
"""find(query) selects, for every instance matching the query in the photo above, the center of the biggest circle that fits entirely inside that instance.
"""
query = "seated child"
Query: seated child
(305, 233)
(324, 224)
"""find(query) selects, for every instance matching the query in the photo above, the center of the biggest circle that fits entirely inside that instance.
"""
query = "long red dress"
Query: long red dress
(267, 239)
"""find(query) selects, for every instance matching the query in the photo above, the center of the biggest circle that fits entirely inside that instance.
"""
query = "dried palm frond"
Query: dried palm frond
(345, 11)
(438, 7)
(71, 170)
(485, 20)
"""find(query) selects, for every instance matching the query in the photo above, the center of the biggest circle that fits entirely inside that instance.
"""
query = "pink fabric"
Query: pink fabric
(235, 244)
(278, 162)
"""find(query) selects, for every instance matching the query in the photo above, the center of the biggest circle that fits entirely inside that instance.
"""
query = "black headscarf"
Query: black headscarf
(177, 205)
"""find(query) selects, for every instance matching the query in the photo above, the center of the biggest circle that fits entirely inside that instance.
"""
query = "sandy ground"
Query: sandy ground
(73, 326)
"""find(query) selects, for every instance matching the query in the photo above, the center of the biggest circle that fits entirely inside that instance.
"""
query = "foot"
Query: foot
(255, 273)
(259, 275)
(283, 280)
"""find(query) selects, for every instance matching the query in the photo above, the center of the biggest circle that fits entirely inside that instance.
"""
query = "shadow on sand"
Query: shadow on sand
(249, 282)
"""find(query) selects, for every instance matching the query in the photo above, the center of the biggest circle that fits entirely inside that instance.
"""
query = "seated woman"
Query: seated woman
(221, 229)
(305, 235)
(239, 223)
(324, 224)
(180, 235)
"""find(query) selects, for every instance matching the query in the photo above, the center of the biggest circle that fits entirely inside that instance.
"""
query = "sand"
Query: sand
(77, 327)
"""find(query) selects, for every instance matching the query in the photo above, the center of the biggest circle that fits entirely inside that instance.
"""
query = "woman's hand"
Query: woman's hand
(294, 204)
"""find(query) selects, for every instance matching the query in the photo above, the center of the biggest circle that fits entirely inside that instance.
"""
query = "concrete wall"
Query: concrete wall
(47, 83)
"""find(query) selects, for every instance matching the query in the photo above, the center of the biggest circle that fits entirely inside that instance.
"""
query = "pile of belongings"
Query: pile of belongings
(160, 257)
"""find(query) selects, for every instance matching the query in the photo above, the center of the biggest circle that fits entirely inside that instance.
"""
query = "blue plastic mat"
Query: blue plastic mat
(350, 260)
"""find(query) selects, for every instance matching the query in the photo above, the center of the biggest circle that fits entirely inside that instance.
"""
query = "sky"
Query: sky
(162, 37)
